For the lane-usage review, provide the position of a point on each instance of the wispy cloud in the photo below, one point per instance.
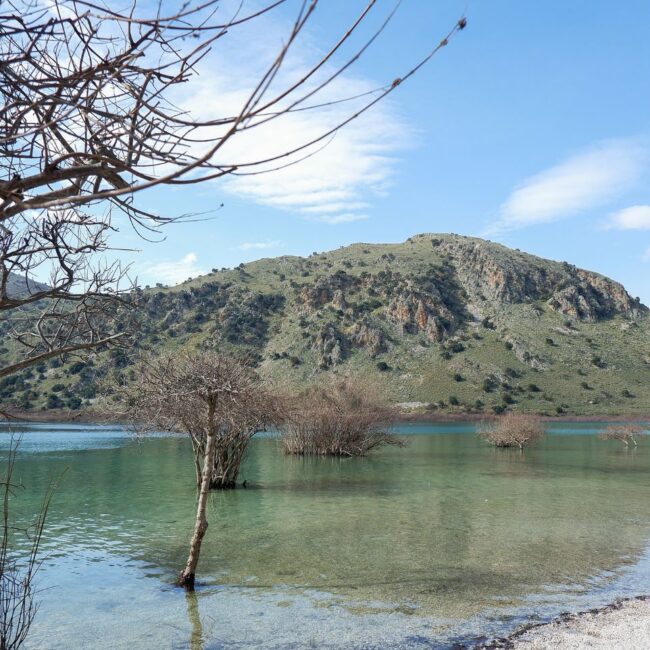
(173, 271)
(343, 217)
(636, 217)
(337, 177)
(335, 207)
(259, 245)
(582, 182)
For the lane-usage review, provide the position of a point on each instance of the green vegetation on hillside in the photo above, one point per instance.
(448, 323)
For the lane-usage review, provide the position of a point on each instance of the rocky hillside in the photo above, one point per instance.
(18, 285)
(447, 323)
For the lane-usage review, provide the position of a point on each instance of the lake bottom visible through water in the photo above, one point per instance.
(442, 542)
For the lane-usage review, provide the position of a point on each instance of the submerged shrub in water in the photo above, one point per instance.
(343, 418)
(625, 433)
(512, 430)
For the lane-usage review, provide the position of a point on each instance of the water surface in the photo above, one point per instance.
(438, 542)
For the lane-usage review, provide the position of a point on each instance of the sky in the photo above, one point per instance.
(531, 128)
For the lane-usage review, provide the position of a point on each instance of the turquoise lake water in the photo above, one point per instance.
(437, 543)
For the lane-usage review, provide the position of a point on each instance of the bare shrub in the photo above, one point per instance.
(628, 434)
(17, 604)
(342, 418)
(512, 430)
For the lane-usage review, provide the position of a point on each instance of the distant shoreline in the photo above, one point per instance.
(405, 417)
(477, 417)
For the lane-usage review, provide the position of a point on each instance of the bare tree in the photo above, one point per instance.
(218, 402)
(628, 434)
(17, 604)
(345, 417)
(512, 430)
(88, 120)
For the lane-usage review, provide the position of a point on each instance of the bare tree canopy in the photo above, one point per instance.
(90, 116)
(625, 433)
(201, 393)
(218, 402)
(512, 430)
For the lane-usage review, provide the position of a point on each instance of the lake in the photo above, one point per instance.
(437, 543)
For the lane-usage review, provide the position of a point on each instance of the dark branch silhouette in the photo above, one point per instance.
(89, 119)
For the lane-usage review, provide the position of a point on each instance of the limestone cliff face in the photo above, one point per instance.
(418, 313)
(493, 274)
(471, 280)
(330, 346)
(590, 297)
(368, 335)
(498, 279)
(331, 287)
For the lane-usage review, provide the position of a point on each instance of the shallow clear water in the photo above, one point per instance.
(435, 543)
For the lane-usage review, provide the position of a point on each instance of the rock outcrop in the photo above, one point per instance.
(330, 346)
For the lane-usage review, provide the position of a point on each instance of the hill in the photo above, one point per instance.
(18, 285)
(446, 322)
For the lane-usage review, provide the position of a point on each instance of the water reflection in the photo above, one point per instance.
(194, 616)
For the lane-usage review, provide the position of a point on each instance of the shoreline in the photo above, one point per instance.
(403, 417)
(601, 627)
(477, 417)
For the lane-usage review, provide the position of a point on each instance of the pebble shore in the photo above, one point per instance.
(624, 625)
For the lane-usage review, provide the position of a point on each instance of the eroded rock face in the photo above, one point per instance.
(593, 297)
(327, 289)
(368, 335)
(417, 312)
(489, 272)
(485, 275)
(338, 300)
(526, 356)
(330, 346)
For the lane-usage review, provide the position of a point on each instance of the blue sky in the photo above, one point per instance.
(532, 128)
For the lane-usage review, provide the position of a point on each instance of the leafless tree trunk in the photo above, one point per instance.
(218, 402)
(187, 576)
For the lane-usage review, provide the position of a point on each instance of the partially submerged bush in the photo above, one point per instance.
(202, 394)
(342, 418)
(512, 430)
(625, 433)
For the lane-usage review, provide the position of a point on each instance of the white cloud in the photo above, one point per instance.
(335, 207)
(636, 217)
(259, 245)
(335, 219)
(580, 183)
(338, 177)
(173, 272)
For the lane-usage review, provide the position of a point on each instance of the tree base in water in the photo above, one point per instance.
(223, 485)
(186, 580)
